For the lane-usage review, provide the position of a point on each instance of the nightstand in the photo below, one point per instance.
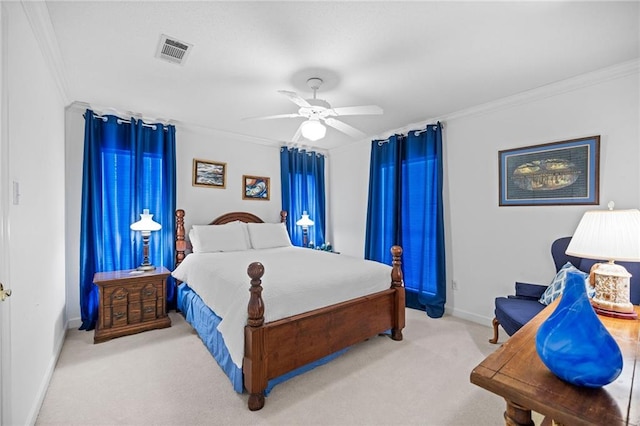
(130, 302)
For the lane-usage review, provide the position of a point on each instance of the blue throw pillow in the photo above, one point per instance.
(557, 285)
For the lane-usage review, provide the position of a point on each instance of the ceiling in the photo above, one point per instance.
(417, 60)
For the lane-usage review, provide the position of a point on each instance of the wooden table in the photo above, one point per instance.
(516, 372)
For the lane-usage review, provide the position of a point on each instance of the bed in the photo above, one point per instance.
(261, 335)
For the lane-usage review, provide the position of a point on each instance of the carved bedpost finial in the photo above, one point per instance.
(256, 304)
(181, 244)
(283, 216)
(396, 271)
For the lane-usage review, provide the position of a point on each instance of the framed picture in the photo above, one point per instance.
(209, 173)
(255, 188)
(557, 173)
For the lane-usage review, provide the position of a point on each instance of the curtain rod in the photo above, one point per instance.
(101, 110)
(122, 120)
(308, 149)
(415, 132)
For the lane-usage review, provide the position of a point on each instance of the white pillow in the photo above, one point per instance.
(245, 231)
(216, 238)
(195, 244)
(268, 235)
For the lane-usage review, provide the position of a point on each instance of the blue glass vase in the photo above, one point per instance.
(574, 344)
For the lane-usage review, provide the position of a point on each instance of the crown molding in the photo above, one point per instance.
(603, 75)
(553, 89)
(37, 14)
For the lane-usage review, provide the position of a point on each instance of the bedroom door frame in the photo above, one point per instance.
(5, 317)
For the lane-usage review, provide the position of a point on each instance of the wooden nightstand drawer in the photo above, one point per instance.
(150, 309)
(150, 291)
(130, 302)
(116, 315)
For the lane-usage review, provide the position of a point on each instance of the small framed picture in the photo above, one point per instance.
(210, 174)
(255, 188)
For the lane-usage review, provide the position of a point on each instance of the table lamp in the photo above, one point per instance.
(305, 222)
(609, 235)
(145, 225)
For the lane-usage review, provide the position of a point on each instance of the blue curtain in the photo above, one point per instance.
(405, 208)
(128, 166)
(303, 189)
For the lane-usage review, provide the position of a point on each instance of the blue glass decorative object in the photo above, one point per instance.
(574, 344)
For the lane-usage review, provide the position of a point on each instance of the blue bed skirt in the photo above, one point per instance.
(205, 322)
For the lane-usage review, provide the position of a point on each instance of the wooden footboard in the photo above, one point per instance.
(278, 347)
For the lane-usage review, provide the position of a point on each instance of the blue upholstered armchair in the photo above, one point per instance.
(512, 312)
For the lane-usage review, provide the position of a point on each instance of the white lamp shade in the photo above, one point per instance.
(607, 235)
(146, 223)
(305, 221)
(313, 130)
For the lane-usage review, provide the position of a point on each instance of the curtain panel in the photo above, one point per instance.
(128, 166)
(405, 207)
(303, 189)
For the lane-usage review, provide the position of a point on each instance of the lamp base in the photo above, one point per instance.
(611, 282)
(614, 314)
(146, 268)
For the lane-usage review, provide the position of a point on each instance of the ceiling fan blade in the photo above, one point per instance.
(344, 128)
(293, 97)
(359, 110)
(269, 117)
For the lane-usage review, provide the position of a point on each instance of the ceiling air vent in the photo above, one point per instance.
(172, 50)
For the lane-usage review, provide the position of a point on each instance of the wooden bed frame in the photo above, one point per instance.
(275, 348)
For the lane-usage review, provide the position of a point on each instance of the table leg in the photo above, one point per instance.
(517, 415)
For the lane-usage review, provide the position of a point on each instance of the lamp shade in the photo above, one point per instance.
(146, 223)
(607, 235)
(304, 221)
(313, 129)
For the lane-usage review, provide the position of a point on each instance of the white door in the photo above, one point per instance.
(5, 379)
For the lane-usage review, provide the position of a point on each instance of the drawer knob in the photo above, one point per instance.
(149, 309)
(148, 292)
(119, 315)
(119, 296)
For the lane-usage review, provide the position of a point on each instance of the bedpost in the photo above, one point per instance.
(283, 216)
(398, 285)
(181, 244)
(255, 375)
(256, 304)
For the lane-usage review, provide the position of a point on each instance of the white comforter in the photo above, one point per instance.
(295, 280)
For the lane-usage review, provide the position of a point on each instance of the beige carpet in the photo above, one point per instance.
(167, 377)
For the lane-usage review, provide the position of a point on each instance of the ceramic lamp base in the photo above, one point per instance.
(612, 284)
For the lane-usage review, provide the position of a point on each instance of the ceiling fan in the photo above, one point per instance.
(318, 111)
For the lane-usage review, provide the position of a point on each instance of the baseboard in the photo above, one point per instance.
(478, 319)
(74, 323)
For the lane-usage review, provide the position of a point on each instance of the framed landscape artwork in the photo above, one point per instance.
(210, 174)
(557, 173)
(255, 188)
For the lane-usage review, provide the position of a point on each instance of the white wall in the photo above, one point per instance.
(490, 247)
(74, 151)
(37, 226)
(348, 194)
(201, 204)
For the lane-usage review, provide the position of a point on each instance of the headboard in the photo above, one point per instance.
(182, 245)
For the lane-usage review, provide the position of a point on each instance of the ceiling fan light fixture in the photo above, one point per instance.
(313, 130)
